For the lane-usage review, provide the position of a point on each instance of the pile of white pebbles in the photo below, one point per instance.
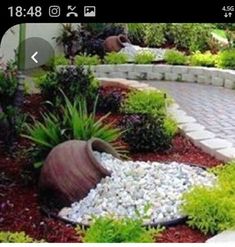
(131, 50)
(152, 189)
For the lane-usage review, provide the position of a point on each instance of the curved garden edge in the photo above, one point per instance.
(206, 140)
(203, 75)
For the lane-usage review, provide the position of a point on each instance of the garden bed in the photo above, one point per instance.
(20, 207)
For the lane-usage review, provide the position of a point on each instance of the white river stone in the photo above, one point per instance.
(153, 189)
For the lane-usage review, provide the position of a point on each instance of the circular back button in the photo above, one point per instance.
(38, 52)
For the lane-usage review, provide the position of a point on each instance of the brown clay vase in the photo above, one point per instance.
(71, 170)
(115, 43)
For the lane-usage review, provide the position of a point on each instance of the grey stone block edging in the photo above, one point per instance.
(221, 149)
(206, 140)
(223, 237)
(202, 75)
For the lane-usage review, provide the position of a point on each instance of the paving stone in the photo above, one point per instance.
(225, 236)
(169, 76)
(143, 68)
(226, 154)
(162, 68)
(230, 74)
(212, 107)
(217, 81)
(174, 107)
(105, 68)
(142, 85)
(154, 76)
(192, 127)
(216, 143)
(117, 75)
(214, 72)
(133, 75)
(200, 135)
(124, 67)
(228, 83)
(188, 78)
(177, 113)
(185, 119)
(180, 69)
(196, 70)
(204, 79)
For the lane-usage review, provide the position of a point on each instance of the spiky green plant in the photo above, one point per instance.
(73, 121)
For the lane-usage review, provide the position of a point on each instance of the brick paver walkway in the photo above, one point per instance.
(213, 107)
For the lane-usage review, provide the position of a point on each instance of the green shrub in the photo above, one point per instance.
(109, 230)
(226, 176)
(8, 87)
(16, 237)
(155, 34)
(94, 28)
(73, 81)
(136, 33)
(212, 210)
(48, 84)
(69, 36)
(170, 127)
(226, 59)
(192, 36)
(94, 34)
(146, 133)
(144, 102)
(58, 60)
(72, 122)
(207, 59)
(201, 35)
(110, 99)
(147, 126)
(175, 57)
(115, 58)
(87, 60)
(11, 100)
(180, 34)
(144, 57)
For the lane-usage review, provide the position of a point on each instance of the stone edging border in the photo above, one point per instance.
(206, 140)
(202, 75)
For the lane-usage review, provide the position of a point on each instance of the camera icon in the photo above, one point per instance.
(54, 11)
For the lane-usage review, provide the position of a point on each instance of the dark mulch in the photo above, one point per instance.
(182, 234)
(33, 105)
(19, 198)
(182, 150)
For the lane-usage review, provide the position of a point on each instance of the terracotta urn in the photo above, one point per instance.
(71, 170)
(115, 43)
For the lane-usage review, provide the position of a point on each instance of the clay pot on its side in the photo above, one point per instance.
(115, 43)
(71, 170)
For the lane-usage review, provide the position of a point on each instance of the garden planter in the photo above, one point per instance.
(71, 169)
(115, 43)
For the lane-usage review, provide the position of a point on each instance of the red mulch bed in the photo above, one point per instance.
(182, 234)
(182, 150)
(19, 198)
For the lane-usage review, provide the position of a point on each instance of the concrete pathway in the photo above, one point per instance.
(213, 107)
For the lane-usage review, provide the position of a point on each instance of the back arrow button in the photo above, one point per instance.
(33, 57)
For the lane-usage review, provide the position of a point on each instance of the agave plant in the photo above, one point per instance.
(72, 122)
(83, 125)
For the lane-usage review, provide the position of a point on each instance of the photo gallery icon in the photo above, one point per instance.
(89, 11)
